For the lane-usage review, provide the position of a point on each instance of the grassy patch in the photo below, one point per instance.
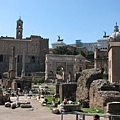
(49, 98)
(92, 110)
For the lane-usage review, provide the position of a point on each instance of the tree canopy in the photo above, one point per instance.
(66, 50)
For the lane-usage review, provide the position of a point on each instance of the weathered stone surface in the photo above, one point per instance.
(113, 108)
(68, 90)
(68, 107)
(84, 82)
(101, 92)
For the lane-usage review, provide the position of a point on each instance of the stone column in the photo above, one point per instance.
(65, 74)
(16, 73)
(23, 65)
(46, 70)
(13, 59)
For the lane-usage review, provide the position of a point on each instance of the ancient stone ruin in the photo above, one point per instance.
(84, 82)
(95, 91)
(102, 92)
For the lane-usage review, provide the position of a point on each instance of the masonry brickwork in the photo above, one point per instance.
(35, 48)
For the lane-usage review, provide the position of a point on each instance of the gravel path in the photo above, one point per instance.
(38, 112)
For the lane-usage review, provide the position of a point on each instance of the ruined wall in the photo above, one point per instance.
(68, 90)
(84, 82)
(101, 92)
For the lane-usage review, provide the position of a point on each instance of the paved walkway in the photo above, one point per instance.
(38, 112)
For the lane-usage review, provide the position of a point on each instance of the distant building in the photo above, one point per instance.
(59, 43)
(89, 64)
(79, 63)
(114, 56)
(101, 59)
(90, 46)
(103, 42)
(79, 43)
(34, 48)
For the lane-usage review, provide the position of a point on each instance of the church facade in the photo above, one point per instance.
(34, 49)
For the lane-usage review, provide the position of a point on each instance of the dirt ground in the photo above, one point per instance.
(37, 112)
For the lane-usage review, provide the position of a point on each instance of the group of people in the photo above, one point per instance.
(95, 117)
(53, 100)
(26, 94)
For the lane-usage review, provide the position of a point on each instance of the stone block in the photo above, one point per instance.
(7, 104)
(113, 108)
(13, 105)
(26, 106)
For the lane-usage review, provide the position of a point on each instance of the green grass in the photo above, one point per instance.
(92, 110)
(49, 98)
(86, 110)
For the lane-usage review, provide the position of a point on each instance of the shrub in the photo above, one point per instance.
(38, 80)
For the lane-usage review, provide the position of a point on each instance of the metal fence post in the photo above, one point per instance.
(76, 116)
(83, 117)
(61, 116)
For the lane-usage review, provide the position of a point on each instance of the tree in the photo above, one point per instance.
(65, 50)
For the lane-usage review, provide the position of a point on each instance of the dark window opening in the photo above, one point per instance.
(1, 58)
(18, 59)
(33, 59)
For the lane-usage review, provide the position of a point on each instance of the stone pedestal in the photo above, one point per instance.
(113, 108)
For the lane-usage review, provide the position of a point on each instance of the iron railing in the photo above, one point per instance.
(82, 116)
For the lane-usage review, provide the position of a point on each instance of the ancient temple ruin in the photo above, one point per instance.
(94, 90)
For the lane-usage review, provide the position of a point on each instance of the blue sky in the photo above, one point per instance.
(71, 19)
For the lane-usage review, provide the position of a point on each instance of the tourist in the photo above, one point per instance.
(53, 101)
(17, 98)
(96, 117)
(30, 94)
(65, 100)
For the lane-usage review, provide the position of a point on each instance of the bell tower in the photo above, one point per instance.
(19, 29)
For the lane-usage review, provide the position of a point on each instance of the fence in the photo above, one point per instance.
(82, 116)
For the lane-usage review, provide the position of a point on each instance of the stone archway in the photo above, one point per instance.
(66, 62)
